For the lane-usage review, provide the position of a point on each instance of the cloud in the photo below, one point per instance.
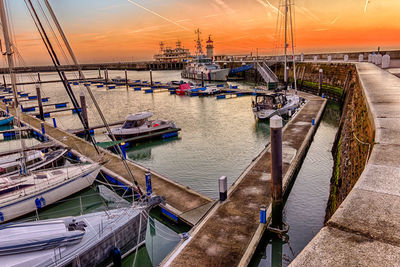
(224, 6)
(308, 13)
(366, 5)
(268, 5)
(334, 20)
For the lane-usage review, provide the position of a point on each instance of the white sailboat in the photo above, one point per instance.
(281, 103)
(25, 193)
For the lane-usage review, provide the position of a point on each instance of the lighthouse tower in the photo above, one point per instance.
(210, 47)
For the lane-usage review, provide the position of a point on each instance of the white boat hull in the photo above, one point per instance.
(266, 114)
(217, 75)
(47, 193)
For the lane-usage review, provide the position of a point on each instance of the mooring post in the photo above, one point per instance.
(106, 75)
(99, 74)
(40, 104)
(276, 170)
(43, 130)
(8, 111)
(263, 214)
(38, 75)
(84, 113)
(54, 122)
(123, 149)
(223, 188)
(126, 79)
(320, 82)
(202, 79)
(149, 188)
(151, 77)
(4, 82)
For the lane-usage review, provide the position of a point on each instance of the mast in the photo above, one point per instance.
(294, 61)
(72, 54)
(285, 70)
(13, 78)
(199, 49)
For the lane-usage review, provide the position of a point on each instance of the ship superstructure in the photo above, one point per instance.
(177, 54)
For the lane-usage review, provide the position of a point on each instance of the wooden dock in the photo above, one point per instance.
(182, 203)
(231, 231)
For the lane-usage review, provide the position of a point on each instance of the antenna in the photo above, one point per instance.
(199, 48)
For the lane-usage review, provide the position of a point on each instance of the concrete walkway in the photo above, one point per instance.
(231, 231)
(365, 230)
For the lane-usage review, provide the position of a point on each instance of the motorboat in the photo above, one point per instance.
(5, 118)
(20, 195)
(209, 90)
(86, 240)
(34, 160)
(278, 103)
(139, 125)
(203, 68)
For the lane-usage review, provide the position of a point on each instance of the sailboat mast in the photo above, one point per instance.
(12, 74)
(285, 70)
(294, 61)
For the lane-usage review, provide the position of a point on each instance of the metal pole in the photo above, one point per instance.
(40, 104)
(276, 170)
(126, 79)
(320, 82)
(202, 79)
(285, 74)
(10, 60)
(38, 75)
(4, 81)
(294, 61)
(151, 77)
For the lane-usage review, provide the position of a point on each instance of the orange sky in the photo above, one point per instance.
(120, 30)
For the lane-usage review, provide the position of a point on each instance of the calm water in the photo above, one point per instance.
(218, 137)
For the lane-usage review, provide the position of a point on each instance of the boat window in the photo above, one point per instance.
(41, 176)
(57, 172)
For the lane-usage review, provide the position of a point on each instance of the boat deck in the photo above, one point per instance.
(230, 232)
(180, 199)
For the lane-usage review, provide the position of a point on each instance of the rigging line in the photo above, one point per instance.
(71, 52)
(53, 33)
(294, 61)
(62, 75)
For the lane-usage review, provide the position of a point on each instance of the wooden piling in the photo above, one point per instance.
(276, 170)
(38, 75)
(4, 82)
(202, 79)
(126, 80)
(40, 104)
(84, 113)
(151, 77)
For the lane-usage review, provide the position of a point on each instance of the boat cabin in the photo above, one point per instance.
(270, 101)
(136, 120)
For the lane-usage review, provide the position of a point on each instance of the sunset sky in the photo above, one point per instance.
(121, 30)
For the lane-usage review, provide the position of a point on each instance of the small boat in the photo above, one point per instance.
(183, 88)
(209, 90)
(34, 160)
(139, 125)
(20, 195)
(92, 238)
(5, 118)
(267, 105)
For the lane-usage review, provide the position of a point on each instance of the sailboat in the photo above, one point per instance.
(279, 102)
(23, 193)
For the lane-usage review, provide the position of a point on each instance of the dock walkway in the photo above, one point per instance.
(230, 232)
(180, 199)
(365, 229)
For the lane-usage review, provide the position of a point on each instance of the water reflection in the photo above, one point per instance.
(142, 151)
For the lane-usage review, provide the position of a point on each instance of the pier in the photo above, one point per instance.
(230, 232)
(364, 230)
(183, 204)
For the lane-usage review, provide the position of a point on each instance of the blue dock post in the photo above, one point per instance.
(8, 111)
(149, 189)
(54, 122)
(313, 121)
(223, 188)
(123, 149)
(43, 130)
(263, 214)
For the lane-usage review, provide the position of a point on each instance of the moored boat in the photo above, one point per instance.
(267, 105)
(20, 195)
(139, 125)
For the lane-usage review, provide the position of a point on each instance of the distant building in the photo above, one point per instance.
(178, 54)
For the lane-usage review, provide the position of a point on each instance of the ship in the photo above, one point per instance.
(177, 54)
(202, 66)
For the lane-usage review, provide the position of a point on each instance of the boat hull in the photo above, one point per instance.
(48, 195)
(266, 114)
(119, 135)
(6, 121)
(218, 75)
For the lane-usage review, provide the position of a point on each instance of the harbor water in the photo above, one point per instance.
(218, 137)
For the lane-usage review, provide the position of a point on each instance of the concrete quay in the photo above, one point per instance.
(365, 229)
(231, 231)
